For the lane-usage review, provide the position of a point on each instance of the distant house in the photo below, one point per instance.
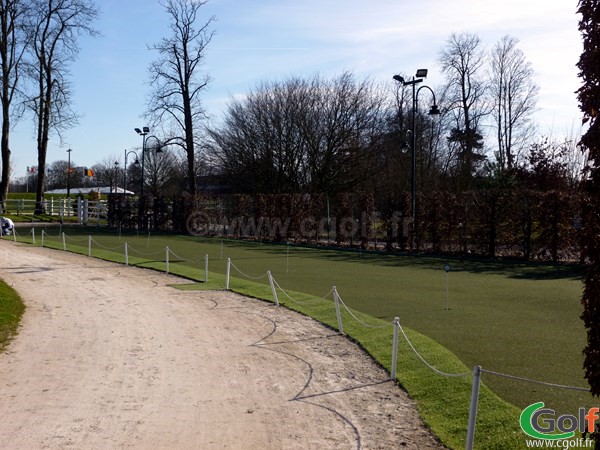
(84, 191)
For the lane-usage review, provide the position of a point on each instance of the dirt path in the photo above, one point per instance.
(111, 357)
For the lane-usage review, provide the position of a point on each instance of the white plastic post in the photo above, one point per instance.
(473, 409)
(206, 268)
(43, 237)
(64, 242)
(86, 212)
(167, 258)
(273, 290)
(227, 271)
(336, 299)
(33, 235)
(126, 255)
(79, 210)
(14, 233)
(89, 246)
(395, 348)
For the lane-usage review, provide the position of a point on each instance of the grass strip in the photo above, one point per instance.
(442, 402)
(11, 311)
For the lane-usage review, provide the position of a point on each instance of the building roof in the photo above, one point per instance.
(85, 191)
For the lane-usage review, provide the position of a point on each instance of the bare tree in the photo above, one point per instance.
(58, 172)
(160, 168)
(177, 78)
(462, 61)
(12, 47)
(55, 26)
(514, 94)
(302, 134)
(107, 172)
(346, 121)
(259, 144)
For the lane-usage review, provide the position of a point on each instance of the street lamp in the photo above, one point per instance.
(143, 132)
(434, 110)
(136, 162)
(116, 176)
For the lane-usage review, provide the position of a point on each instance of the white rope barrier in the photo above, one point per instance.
(425, 361)
(543, 383)
(192, 261)
(387, 325)
(301, 302)
(72, 239)
(110, 249)
(260, 277)
(159, 252)
(53, 235)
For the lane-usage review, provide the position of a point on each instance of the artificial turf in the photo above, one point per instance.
(514, 318)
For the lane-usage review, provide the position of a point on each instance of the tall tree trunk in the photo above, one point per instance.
(43, 133)
(189, 144)
(4, 145)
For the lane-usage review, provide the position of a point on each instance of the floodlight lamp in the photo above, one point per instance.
(399, 78)
(147, 130)
(421, 73)
(138, 131)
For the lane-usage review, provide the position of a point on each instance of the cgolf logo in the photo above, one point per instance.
(542, 423)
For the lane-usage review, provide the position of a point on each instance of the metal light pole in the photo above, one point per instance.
(418, 78)
(116, 177)
(137, 161)
(143, 132)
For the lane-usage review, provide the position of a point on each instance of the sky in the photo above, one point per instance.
(267, 40)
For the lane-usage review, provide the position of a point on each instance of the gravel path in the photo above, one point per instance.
(110, 356)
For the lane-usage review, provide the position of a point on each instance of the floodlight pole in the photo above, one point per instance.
(421, 74)
(143, 132)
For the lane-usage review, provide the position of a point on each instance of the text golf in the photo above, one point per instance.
(542, 423)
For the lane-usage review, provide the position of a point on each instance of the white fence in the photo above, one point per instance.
(86, 211)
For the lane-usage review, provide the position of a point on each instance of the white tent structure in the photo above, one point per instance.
(85, 191)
